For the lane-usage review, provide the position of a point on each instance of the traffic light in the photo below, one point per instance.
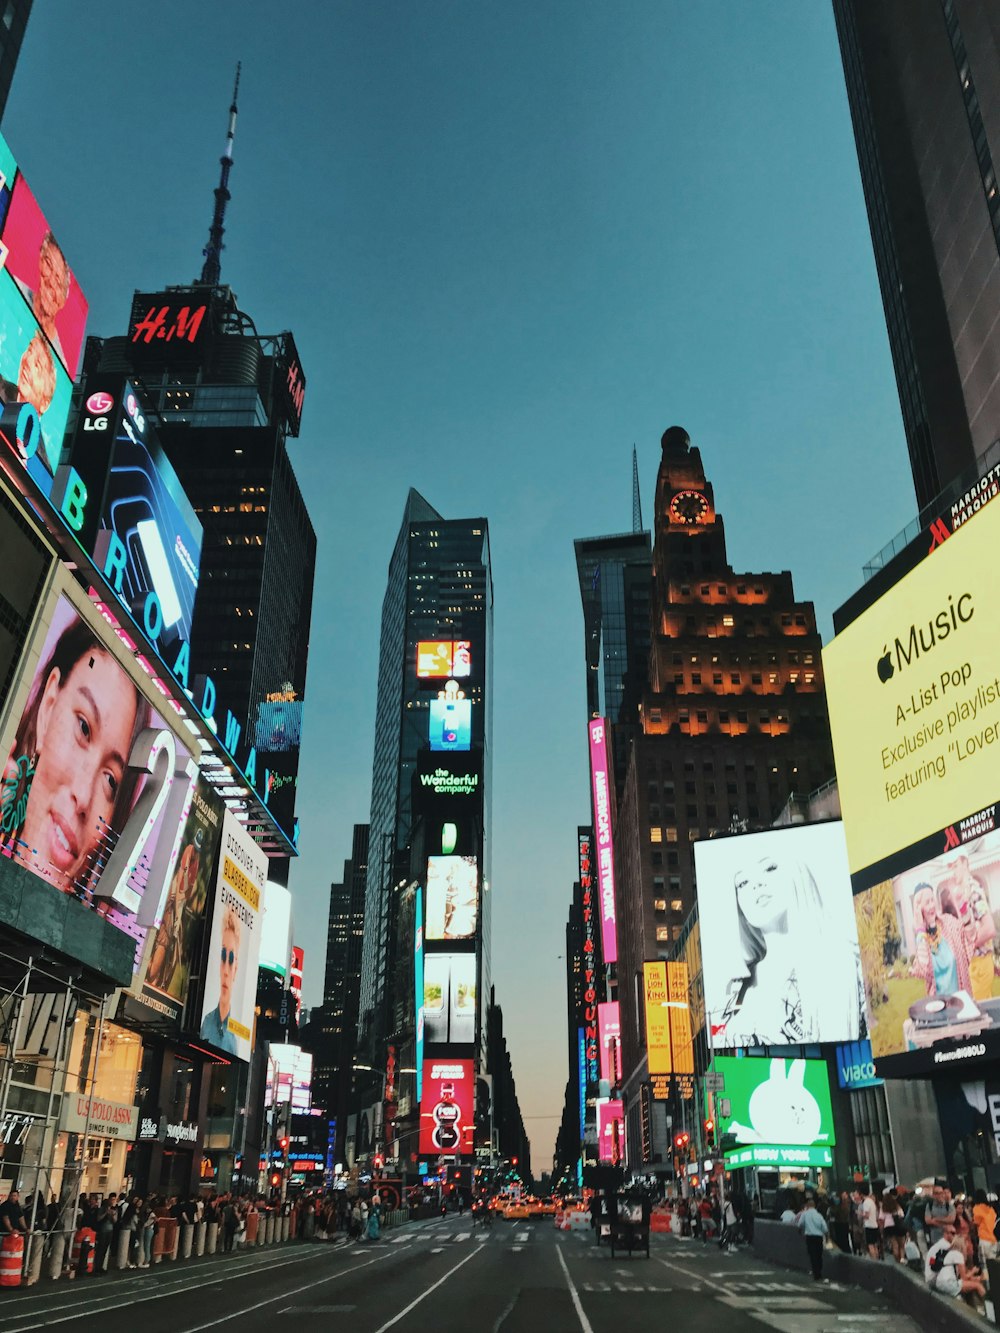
(682, 1140)
(275, 1179)
(709, 1127)
(283, 1145)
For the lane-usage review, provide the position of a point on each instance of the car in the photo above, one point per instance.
(516, 1212)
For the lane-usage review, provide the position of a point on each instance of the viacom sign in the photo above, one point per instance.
(856, 1066)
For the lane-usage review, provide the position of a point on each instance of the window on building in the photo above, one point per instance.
(676, 905)
(659, 904)
(663, 933)
(656, 835)
(671, 834)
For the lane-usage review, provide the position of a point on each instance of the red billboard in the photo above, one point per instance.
(447, 1107)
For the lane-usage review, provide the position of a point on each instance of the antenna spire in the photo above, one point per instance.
(212, 268)
(636, 502)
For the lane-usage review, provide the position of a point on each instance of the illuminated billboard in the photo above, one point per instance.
(30, 373)
(601, 785)
(234, 943)
(927, 938)
(276, 928)
(775, 1102)
(766, 902)
(681, 1045)
(450, 721)
(452, 775)
(447, 1108)
(95, 782)
(441, 659)
(654, 976)
(288, 1080)
(452, 898)
(418, 986)
(609, 1037)
(170, 949)
(913, 687)
(610, 1131)
(449, 998)
(279, 725)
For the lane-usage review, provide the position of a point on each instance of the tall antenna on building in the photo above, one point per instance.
(636, 502)
(212, 268)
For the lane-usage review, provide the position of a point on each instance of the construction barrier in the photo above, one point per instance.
(11, 1259)
(253, 1222)
(165, 1240)
(81, 1258)
(659, 1222)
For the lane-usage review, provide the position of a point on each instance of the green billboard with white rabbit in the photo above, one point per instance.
(777, 1103)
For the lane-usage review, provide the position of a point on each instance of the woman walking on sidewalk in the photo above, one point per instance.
(813, 1226)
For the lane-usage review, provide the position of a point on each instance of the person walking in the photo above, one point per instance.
(813, 1226)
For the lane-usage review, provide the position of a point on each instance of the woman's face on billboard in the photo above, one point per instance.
(764, 893)
(84, 730)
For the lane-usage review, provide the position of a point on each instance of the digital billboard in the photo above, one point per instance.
(279, 725)
(856, 1066)
(288, 1081)
(681, 1044)
(94, 781)
(418, 986)
(448, 775)
(450, 721)
(658, 1052)
(913, 687)
(171, 948)
(928, 937)
(774, 1102)
(601, 789)
(609, 1037)
(30, 373)
(610, 1131)
(452, 893)
(444, 658)
(766, 902)
(449, 998)
(276, 927)
(447, 1108)
(234, 943)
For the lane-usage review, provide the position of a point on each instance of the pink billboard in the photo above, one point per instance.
(602, 834)
(609, 1036)
(610, 1132)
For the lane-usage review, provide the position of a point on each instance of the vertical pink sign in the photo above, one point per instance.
(609, 1035)
(602, 836)
(610, 1132)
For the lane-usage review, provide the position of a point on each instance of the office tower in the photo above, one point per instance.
(13, 21)
(923, 83)
(430, 809)
(733, 720)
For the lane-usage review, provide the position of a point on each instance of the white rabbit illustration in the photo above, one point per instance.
(782, 1110)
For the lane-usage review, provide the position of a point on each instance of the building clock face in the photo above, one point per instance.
(689, 507)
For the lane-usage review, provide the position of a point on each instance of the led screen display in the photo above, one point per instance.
(234, 943)
(173, 946)
(444, 658)
(913, 686)
(279, 725)
(610, 1131)
(609, 1037)
(657, 1018)
(448, 776)
(766, 903)
(452, 892)
(601, 791)
(418, 985)
(856, 1066)
(928, 936)
(449, 998)
(94, 782)
(775, 1102)
(37, 265)
(447, 1107)
(288, 1081)
(276, 928)
(30, 373)
(450, 726)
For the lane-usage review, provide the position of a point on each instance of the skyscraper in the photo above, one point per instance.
(923, 83)
(433, 750)
(13, 21)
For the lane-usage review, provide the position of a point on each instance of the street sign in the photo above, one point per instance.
(715, 1082)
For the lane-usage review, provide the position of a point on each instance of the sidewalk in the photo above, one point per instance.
(781, 1244)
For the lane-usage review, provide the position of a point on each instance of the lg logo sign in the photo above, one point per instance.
(98, 406)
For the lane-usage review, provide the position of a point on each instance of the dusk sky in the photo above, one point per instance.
(511, 240)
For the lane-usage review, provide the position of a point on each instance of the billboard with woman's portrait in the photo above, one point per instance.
(89, 769)
(778, 938)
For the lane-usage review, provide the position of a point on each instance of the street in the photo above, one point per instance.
(515, 1276)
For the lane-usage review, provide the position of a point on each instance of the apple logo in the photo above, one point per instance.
(885, 668)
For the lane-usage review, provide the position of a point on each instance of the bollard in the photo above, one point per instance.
(122, 1247)
(187, 1239)
(56, 1255)
(293, 1223)
(211, 1237)
(253, 1227)
(269, 1230)
(199, 1238)
(33, 1262)
(284, 1227)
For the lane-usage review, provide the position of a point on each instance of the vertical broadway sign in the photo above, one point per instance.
(602, 829)
(588, 965)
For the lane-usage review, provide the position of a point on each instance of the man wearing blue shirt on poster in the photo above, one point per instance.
(215, 1025)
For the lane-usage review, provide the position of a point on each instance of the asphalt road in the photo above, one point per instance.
(518, 1277)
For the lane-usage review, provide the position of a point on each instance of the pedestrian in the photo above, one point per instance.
(892, 1224)
(813, 1226)
(945, 1269)
(984, 1217)
(12, 1214)
(940, 1212)
(869, 1220)
(842, 1222)
(149, 1224)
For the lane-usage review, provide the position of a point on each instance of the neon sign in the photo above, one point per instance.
(605, 846)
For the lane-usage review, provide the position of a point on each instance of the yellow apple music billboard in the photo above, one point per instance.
(913, 686)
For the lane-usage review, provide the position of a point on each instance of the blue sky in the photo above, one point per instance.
(511, 240)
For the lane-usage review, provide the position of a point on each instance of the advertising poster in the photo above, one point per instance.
(913, 685)
(610, 1131)
(234, 943)
(30, 373)
(448, 776)
(452, 898)
(76, 772)
(173, 946)
(418, 987)
(450, 725)
(38, 266)
(601, 791)
(609, 1038)
(766, 902)
(775, 1102)
(928, 938)
(657, 1018)
(447, 1109)
(288, 1081)
(442, 659)
(276, 929)
(449, 998)
(279, 725)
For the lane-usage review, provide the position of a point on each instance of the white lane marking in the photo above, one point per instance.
(482, 1237)
(438, 1249)
(462, 1235)
(584, 1321)
(521, 1235)
(413, 1304)
(692, 1277)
